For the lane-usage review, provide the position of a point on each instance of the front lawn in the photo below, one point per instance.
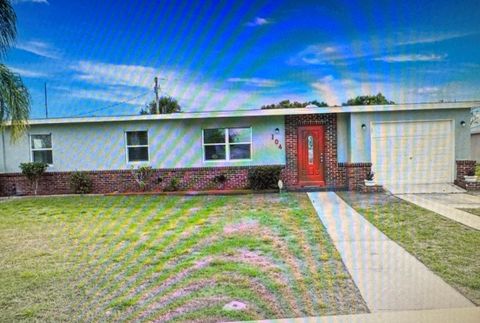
(448, 248)
(168, 258)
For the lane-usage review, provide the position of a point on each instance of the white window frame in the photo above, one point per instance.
(227, 144)
(137, 146)
(30, 137)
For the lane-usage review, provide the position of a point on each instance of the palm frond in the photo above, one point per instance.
(14, 102)
(8, 29)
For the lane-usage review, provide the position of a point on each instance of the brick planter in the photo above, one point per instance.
(463, 168)
(371, 189)
(194, 179)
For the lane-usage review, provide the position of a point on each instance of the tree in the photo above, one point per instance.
(286, 104)
(165, 103)
(368, 100)
(14, 97)
(33, 171)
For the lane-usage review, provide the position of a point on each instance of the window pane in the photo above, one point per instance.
(136, 138)
(137, 154)
(240, 151)
(43, 156)
(214, 136)
(239, 134)
(216, 152)
(310, 150)
(41, 141)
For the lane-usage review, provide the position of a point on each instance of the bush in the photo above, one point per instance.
(142, 175)
(80, 183)
(33, 172)
(173, 185)
(265, 177)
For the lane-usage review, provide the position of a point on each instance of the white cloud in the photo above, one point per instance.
(428, 90)
(118, 82)
(254, 81)
(28, 73)
(335, 91)
(39, 48)
(411, 58)
(258, 21)
(329, 54)
(33, 1)
(425, 38)
(119, 74)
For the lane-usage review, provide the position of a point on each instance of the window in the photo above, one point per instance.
(137, 146)
(227, 144)
(41, 148)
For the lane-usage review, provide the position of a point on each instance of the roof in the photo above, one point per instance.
(262, 113)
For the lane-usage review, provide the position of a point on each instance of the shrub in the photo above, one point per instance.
(265, 177)
(141, 175)
(33, 172)
(80, 183)
(173, 185)
(370, 176)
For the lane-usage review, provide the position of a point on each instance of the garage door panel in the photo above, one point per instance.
(413, 152)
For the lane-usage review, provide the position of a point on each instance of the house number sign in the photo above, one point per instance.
(276, 141)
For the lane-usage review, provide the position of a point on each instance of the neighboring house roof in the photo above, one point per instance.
(265, 112)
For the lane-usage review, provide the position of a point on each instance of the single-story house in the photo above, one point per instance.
(475, 143)
(329, 148)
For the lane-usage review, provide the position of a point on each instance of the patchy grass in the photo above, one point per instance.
(168, 258)
(448, 248)
(472, 211)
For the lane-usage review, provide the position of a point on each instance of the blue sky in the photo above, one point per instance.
(100, 57)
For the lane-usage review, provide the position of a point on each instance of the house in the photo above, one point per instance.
(329, 148)
(475, 143)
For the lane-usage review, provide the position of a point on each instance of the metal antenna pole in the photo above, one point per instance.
(46, 101)
(157, 103)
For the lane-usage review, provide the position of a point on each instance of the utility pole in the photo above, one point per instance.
(46, 101)
(157, 103)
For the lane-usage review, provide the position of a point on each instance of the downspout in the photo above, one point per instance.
(4, 154)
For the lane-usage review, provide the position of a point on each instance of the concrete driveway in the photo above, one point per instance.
(448, 205)
(403, 188)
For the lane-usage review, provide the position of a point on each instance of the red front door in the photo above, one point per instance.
(311, 158)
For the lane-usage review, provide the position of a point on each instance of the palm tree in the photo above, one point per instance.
(14, 97)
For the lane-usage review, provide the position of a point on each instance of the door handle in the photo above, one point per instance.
(321, 158)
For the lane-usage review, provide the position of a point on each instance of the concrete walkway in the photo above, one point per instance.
(454, 315)
(446, 207)
(388, 277)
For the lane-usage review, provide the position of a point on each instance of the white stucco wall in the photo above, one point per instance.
(343, 133)
(172, 144)
(475, 146)
(359, 144)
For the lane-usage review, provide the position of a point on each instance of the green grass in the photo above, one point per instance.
(168, 258)
(448, 248)
(472, 211)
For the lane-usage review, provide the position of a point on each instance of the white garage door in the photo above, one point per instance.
(417, 152)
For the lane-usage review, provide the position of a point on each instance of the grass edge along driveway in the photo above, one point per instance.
(448, 248)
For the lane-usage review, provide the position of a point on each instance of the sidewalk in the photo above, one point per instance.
(388, 277)
(454, 315)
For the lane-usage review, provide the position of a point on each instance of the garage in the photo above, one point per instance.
(413, 152)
